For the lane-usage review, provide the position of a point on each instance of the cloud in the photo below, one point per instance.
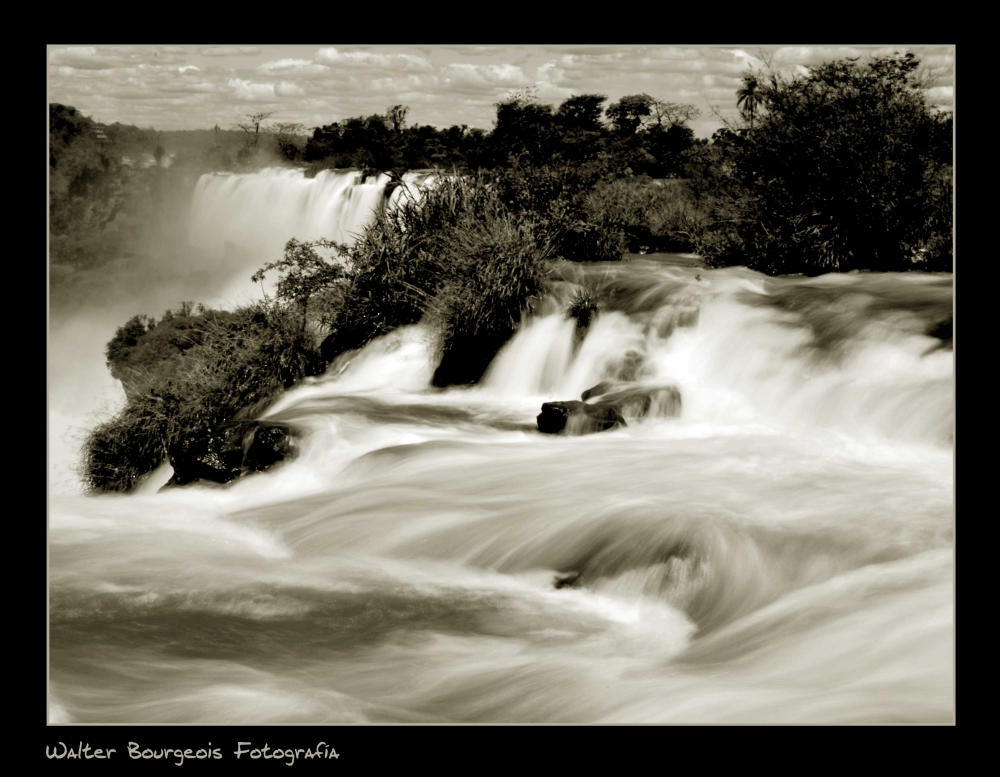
(941, 95)
(508, 76)
(367, 59)
(476, 51)
(288, 89)
(230, 51)
(108, 57)
(583, 50)
(247, 91)
(293, 66)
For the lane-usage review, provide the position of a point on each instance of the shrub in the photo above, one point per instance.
(394, 267)
(583, 306)
(242, 359)
(456, 254)
(649, 215)
(554, 200)
(495, 270)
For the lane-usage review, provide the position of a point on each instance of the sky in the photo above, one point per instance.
(172, 87)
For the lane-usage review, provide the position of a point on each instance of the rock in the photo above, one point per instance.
(601, 388)
(578, 418)
(225, 452)
(637, 401)
(628, 368)
(267, 446)
(210, 455)
(567, 580)
(943, 331)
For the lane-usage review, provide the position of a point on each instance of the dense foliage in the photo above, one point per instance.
(843, 168)
(640, 134)
(84, 184)
(187, 373)
(455, 256)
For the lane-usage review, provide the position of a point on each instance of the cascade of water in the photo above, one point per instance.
(739, 360)
(227, 208)
(780, 551)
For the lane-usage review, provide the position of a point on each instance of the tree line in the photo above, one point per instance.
(638, 133)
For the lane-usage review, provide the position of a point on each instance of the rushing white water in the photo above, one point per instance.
(255, 214)
(780, 552)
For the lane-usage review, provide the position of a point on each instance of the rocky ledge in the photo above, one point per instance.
(612, 403)
(228, 451)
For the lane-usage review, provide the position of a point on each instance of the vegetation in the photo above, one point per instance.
(187, 373)
(457, 256)
(583, 306)
(839, 169)
(84, 184)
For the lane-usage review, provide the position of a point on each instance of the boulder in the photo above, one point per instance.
(943, 331)
(566, 580)
(223, 453)
(603, 387)
(578, 418)
(637, 401)
(209, 455)
(266, 446)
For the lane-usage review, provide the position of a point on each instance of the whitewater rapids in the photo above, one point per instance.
(781, 552)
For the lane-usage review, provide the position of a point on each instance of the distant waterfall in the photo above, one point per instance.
(257, 213)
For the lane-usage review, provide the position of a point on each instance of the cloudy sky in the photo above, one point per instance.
(191, 87)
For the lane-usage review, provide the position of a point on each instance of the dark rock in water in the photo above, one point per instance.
(567, 580)
(578, 418)
(614, 401)
(943, 331)
(637, 401)
(680, 318)
(268, 444)
(223, 453)
(466, 356)
(209, 455)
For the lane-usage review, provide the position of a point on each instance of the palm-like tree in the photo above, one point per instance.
(748, 98)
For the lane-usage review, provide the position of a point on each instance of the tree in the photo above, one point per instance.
(85, 173)
(578, 121)
(304, 273)
(669, 114)
(126, 337)
(748, 96)
(627, 114)
(581, 112)
(847, 168)
(523, 127)
(667, 144)
(396, 117)
(286, 136)
(250, 124)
